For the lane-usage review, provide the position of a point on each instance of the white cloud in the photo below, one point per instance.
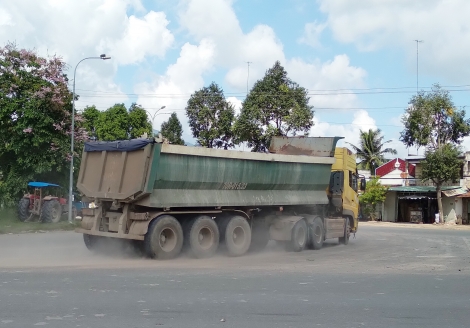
(312, 33)
(373, 24)
(5, 18)
(177, 84)
(236, 103)
(350, 132)
(324, 78)
(142, 37)
(78, 29)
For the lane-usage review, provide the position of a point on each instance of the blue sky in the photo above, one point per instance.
(356, 58)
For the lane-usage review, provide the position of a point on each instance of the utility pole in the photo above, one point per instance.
(417, 57)
(248, 76)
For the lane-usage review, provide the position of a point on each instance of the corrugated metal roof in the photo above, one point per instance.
(420, 188)
(455, 192)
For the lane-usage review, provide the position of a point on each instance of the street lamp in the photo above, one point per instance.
(155, 114)
(102, 57)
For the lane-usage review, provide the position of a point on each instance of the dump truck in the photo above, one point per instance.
(164, 197)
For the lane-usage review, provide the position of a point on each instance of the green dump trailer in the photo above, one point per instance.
(165, 196)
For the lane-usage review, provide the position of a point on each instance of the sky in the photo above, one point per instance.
(359, 59)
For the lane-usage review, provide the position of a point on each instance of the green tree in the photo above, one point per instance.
(113, 124)
(35, 121)
(374, 194)
(172, 130)
(211, 117)
(90, 119)
(370, 151)
(139, 122)
(441, 165)
(432, 121)
(275, 106)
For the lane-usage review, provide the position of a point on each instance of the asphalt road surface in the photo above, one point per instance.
(386, 277)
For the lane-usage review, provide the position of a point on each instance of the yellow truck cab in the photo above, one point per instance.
(343, 189)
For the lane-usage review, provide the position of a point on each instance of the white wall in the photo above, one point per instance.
(449, 203)
(389, 207)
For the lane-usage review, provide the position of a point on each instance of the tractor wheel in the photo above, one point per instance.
(23, 209)
(51, 211)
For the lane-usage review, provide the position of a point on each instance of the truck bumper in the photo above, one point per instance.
(110, 234)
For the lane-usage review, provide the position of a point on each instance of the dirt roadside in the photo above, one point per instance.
(414, 225)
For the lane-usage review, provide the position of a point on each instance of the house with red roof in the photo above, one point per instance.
(396, 172)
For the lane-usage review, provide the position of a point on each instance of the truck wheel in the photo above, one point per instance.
(237, 236)
(347, 232)
(259, 235)
(23, 209)
(299, 237)
(51, 211)
(164, 238)
(91, 242)
(317, 234)
(202, 236)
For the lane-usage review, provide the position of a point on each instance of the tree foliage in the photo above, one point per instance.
(211, 117)
(172, 130)
(139, 123)
(374, 194)
(113, 124)
(432, 120)
(275, 106)
(371, 150)
(441, 165)
(117, 123)
(90, 120)
(35, 121)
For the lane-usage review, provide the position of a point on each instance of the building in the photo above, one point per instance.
(409, 199)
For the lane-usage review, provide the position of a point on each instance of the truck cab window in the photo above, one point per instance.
(353, 181)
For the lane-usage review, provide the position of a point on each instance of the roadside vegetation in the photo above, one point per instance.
(9, 224)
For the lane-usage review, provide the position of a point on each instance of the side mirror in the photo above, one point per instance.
(363, 184)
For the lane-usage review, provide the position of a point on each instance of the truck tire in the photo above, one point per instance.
(23, 209)
(259, 235)
(237, 236)
(299, 237)
(51, 211)
(316, 234)
(347, 232)
(91, 242)
(202, 236)
(164, 238)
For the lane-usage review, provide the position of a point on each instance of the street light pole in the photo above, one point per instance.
(72, 134)
(155, 114)
(417, 43)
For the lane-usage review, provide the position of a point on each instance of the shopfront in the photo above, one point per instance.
(418, 204)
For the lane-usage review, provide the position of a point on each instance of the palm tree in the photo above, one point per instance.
(370, 150)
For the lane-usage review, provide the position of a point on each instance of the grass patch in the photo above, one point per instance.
(9, 223)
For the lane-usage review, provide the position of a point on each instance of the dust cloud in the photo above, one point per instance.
(52, 250)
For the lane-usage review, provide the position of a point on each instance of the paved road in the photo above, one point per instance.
(386, 277)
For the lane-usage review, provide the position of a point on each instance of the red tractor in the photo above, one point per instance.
(46, 207)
